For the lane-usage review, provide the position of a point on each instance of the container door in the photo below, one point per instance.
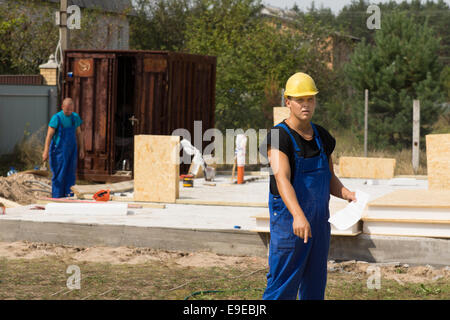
(151, 89)
(90, 82)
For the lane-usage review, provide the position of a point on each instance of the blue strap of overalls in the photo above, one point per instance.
(297, 149)
(60, 124)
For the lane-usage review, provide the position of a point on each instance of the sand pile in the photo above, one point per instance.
(24, 188)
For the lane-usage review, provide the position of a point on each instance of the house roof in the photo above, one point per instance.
(278, 13)
(115, 6)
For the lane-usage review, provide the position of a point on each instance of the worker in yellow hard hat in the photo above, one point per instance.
(301, 182)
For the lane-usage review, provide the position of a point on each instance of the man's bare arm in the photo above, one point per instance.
(50, 133)
(337, 189)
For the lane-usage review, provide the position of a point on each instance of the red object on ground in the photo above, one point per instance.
(2, 209)
(102, 195)
(240, 174)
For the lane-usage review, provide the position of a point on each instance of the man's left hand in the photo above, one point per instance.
(348, 195)
(81, 154)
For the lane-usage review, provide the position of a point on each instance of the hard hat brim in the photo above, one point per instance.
(310, 93)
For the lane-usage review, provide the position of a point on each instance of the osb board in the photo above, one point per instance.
(93, 188)
(280, 113)
(370, 168)
(414, 198)
(438, 161)
(156, 168)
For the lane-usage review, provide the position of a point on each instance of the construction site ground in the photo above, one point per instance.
(221, 222)
(39, 271)
(180, 250)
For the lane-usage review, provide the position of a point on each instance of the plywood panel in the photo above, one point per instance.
(370, 168)
(280, 113)
(414, 199)
(438, 161)
(156, 171)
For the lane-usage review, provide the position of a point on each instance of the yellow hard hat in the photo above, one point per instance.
(300, 84)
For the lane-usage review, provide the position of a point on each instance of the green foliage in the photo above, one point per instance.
(401, 66)
(25, 35)
(352, 18)
(159, 25)
(254, 58)
(28, 34)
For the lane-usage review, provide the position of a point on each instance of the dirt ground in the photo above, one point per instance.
(402, 273)
(123, 255)
(39, 271)
(18, 188)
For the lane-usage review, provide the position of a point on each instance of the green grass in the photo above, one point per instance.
(46, 279)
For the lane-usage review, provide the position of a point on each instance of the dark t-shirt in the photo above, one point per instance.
(308, 149)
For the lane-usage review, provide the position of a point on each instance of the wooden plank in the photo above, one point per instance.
(424, 221)
(63, 200)
(438, 161)
(222, 203)
(8, 203)
(156, 168)
(345, 234)
(143, 204)
(78, 190)
(414, 199)
(370, 168)
(280, 113)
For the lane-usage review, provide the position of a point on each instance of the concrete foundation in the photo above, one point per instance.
(214, 228)
(411, 250)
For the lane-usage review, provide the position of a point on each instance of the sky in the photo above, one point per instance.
(334, 5)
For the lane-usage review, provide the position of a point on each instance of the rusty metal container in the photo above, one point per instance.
(119, 94)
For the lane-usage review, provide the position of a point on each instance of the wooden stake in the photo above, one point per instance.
(416, 136)
(366, 112)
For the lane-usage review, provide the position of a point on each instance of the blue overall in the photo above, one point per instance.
(296, 268)
(63, 160)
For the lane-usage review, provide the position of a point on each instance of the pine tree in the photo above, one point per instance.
(401, 65)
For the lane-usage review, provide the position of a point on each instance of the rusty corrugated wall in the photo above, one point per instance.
(170, 91)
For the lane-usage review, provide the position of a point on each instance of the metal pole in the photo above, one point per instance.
(282, 97)
(366, 112)
(416, 136)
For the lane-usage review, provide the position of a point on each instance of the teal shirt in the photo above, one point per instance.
(66, 123)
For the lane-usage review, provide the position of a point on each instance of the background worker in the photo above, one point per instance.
(62, 143)
(300, 186)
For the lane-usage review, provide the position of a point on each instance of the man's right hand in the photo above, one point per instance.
(302, 228)
(44, 156)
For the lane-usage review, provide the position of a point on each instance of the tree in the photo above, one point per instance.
(254, 58)
(401, 65)
(28, 34)
(160, 25)
(352, 19)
